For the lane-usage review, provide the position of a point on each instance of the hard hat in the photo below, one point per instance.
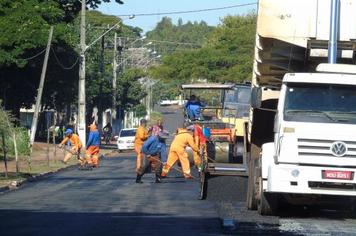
(68, 131)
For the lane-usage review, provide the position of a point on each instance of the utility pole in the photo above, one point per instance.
(81, 94)
(114, 87)
(40, 90)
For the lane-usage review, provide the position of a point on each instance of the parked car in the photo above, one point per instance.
(126, 139)
(167, 102)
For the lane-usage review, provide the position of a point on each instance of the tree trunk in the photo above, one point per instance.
(16, 153)
(4, 150)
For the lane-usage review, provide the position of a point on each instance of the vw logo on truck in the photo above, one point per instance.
(338, 149)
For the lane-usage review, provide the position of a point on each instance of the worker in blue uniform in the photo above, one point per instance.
(155, 151)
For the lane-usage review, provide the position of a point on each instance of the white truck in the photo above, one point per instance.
(303, 119)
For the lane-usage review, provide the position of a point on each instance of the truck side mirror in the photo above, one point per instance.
(256, 97)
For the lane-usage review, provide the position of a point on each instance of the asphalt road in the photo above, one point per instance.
(106, 201)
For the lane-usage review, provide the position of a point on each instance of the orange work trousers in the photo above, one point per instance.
(173, 157)
(92, 155)
(139, 158)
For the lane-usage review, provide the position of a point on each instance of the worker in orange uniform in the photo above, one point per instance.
(75, 143)
(177, 151)
(200, 141)
(140, 138)
(93, 143)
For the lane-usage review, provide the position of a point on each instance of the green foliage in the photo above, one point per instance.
(140, 110)
(226, 56)
(24, 25)
(22, 142)
(190, 32)
(130, 90)
(6, 126)
(8, 130)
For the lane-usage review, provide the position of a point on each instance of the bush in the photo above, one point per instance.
(22, 141)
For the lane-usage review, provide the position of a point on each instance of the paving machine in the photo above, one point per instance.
(216, 132)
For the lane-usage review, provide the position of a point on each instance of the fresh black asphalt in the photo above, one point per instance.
(107, 201)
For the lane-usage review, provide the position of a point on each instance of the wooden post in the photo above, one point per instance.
(40, 90)
(4, 151)
(48, 133)
(16, 153)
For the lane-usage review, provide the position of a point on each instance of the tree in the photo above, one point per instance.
(25, 26)
(130, 90)
(6, 130)
(226, 56)
(187, 33)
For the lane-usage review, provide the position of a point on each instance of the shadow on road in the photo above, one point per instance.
(339, 212)
(23, 222)
(20, 222)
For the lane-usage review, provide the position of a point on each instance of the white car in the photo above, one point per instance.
(126, 139)
(168, 102)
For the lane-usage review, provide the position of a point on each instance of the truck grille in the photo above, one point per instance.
(318, 147)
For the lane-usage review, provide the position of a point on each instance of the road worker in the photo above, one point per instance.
(76, 146)
(93, 143)
(155, 151)
(200, 141)
(140, 137)
(158, 127)
(193, 108)
(177, 151)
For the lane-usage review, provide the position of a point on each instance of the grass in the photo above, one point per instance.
(36, 168)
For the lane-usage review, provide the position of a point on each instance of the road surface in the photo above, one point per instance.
(106, 201)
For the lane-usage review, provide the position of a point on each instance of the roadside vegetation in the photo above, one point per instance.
(225, 55)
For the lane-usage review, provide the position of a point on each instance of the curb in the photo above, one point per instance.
(34, 178)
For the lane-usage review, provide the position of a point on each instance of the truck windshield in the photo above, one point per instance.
(128, 133)
(320, 103)
(237, 102)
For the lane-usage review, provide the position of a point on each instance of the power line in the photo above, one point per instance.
(33, 57)
(161, 41)
(61, 65)
(190, 11)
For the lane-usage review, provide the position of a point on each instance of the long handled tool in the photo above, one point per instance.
(173, 167)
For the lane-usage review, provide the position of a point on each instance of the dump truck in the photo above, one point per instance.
(302, 142)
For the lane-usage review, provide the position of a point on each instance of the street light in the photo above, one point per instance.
(83, 48)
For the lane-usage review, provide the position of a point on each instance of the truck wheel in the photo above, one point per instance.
(239, 148)
(251, 193)
(267, 204)
(203, 185)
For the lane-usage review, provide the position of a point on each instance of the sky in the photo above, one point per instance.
(148, 23)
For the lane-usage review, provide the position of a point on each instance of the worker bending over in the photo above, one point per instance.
(76, 146)
(155, 151)
(93, 146)
(177, 151)
(140, 137)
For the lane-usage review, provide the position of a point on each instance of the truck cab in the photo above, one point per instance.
(314, 148)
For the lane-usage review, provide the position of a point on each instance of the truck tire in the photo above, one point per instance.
(251, 187)
(203, 188)
(268, 203)
(239, 148)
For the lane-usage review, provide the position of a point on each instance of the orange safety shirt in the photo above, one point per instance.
(183, 139)
(74, 140)
(141, 135)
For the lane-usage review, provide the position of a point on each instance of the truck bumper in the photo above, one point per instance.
(296, 179)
